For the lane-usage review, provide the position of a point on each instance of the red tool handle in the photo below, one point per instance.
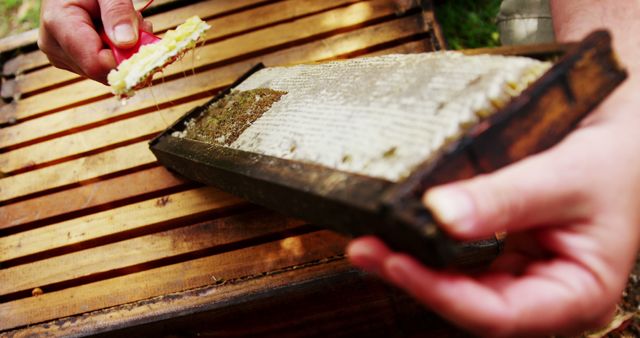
(121, 54)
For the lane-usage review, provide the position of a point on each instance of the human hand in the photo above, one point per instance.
(573, 216)
(68, 33)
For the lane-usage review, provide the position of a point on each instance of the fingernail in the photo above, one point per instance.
(123, 33)
(452, 207)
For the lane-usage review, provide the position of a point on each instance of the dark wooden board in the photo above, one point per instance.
(290, 302)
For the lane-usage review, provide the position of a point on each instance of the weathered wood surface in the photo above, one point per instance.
(299, 301)
(169, 208)
(140, 250)
(153, 282)
(24, 62)
(18, 40)
(89, 218)
(108, 135)
(88, 198)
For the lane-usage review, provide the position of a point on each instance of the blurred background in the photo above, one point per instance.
(469, 23)
(18, 16)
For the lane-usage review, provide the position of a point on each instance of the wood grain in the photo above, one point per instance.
(96, 138)
(165, 209)
(196, 273)
(110, 108)
(75, 171)
(132, 252)
(407, 48)
(96, 196)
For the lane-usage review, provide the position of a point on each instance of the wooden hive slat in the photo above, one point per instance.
(96, 196)
(272, 311)
(160, 306)
(19, 40)
(204, 9)
(196, 273)
(171, 208)
(139, 4)
(75, 171)
(128, 253)
(407, 48)
(92, 139)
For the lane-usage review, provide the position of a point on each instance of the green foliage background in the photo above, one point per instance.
(18, 16)
(469, 23)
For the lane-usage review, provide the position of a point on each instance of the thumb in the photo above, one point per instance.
(540, 190)
(120, 22)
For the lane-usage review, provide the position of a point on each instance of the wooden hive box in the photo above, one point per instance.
(97, 237)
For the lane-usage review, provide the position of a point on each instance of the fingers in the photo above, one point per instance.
(554, 296)
(532, 192)
(428, 287)
(454, 297)
(367, 253)
(69, 39)
(120, 21)
(54, 52)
